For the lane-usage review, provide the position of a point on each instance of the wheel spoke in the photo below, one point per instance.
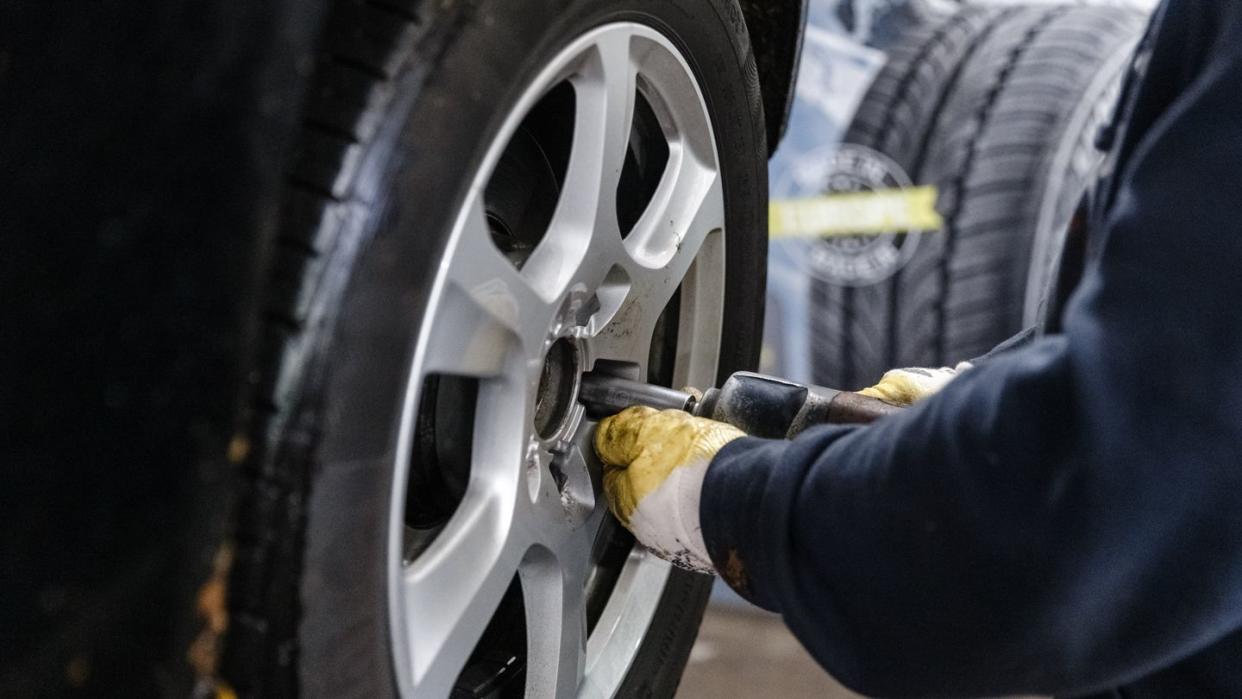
(486, 306)
(687, 204)
(583, 240)
(553, 587)
(672, 235)
(696, 221)
(554, 575)
(454, 588)
(606, 107)
(702, 296)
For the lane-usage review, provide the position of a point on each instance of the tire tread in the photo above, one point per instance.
(351, 90)
(975, 104)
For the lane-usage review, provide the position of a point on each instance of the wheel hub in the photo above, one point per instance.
(557, 395)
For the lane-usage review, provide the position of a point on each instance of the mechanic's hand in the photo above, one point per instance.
(654, 464)
(904, 387)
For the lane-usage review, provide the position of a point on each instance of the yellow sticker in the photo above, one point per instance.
(855, 213)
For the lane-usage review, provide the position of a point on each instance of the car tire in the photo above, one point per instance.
(404, 104)
(997, 108)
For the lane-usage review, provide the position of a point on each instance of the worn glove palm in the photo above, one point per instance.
(654, 464)
(904, 387)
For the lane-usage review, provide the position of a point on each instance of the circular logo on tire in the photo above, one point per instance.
(827, 178)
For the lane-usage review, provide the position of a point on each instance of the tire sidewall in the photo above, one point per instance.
(440, 126)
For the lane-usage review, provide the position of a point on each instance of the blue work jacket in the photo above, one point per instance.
(1066, 518)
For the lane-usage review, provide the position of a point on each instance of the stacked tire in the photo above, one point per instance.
(996, 107)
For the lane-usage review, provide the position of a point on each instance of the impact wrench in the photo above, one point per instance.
(760, 406)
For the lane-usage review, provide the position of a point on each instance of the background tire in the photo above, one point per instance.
(404, 101)
(997, 108)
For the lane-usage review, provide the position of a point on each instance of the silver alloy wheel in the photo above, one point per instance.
(600, 294)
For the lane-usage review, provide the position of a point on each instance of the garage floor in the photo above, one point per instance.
(744, 652)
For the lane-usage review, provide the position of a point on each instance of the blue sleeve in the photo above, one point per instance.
(1066, 517)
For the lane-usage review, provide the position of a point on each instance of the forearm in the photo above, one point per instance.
(977, 544)
(906, 554)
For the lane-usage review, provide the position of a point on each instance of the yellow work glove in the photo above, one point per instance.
(904, 387)
(654, 464)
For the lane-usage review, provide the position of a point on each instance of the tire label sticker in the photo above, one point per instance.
(854, 212)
